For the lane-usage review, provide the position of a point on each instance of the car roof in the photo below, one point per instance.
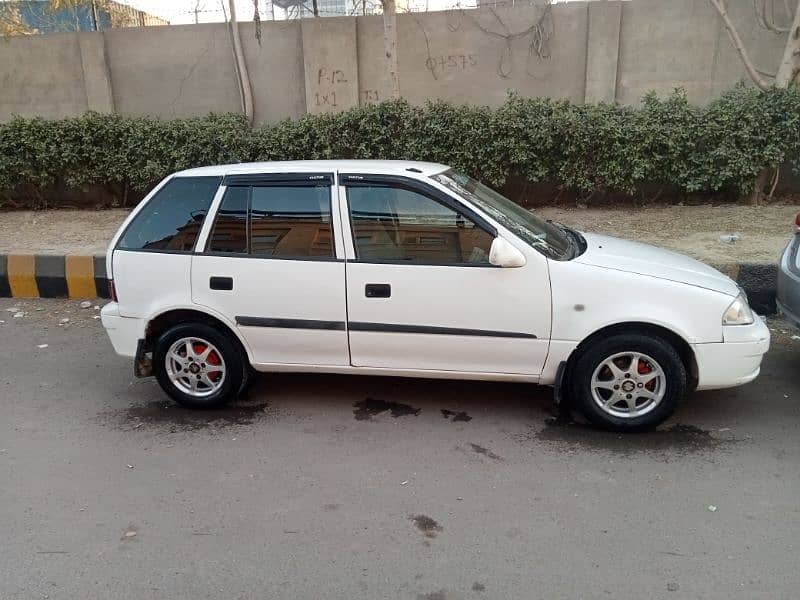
(388, 167)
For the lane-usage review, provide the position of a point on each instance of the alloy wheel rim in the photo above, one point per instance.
(628, 385)
(195, 366)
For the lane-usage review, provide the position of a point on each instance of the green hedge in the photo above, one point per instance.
(721, 147)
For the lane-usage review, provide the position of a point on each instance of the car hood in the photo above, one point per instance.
(634, 257)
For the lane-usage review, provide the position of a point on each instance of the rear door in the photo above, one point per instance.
(270, 265)
(421, 293)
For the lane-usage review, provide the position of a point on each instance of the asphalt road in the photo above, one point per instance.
(361, 487)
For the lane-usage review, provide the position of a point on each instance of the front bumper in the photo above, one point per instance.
(736, 360)
(124, 332)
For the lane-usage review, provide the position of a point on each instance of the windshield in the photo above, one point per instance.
(547, 238)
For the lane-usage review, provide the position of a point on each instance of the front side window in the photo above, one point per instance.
(172, 218)
(544, 236)
(399, 224)
(275, 221)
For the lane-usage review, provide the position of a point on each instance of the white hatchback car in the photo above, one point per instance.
(411, 269)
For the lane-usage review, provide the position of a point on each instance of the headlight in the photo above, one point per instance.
(738, 312)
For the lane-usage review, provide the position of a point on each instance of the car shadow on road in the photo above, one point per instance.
(705, 421)
(343, 398)
(523, 412)
(304, 392)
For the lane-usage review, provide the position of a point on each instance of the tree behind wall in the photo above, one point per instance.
(11, 22)
(390, 45)
(240, 63)
(787, 71)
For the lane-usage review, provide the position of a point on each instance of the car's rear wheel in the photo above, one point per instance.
(198, 366)
(628, 381)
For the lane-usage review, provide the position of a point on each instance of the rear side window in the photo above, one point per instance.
(172, 219)
(275, 221)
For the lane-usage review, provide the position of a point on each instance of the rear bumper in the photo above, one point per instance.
(735, 361)
(124, 332)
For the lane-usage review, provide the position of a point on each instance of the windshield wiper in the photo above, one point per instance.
(579, 240)
(576, 241)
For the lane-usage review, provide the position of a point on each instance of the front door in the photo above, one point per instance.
(421, 293)
(270, 265)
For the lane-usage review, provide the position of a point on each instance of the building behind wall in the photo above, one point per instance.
(38, 16)
(330, 8)
(510, 3)
(334, 8)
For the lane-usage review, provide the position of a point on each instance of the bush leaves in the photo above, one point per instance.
(581, 147)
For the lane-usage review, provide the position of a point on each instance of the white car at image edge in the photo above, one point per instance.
(411, 269)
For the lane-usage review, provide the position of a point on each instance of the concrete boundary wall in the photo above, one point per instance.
(601, 50)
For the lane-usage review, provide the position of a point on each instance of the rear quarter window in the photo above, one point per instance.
(171, 220)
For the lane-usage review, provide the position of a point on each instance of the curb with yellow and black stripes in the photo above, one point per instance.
(53, 276)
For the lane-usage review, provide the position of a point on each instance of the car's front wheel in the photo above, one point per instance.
(198, 366)
(628, 381)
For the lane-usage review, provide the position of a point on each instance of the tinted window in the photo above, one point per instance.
(284, 222)
(173, 217)
(546, 237)
(292, 222)
(399, 224)
(230, 227)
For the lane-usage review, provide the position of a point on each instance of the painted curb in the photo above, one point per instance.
(84, 276)
(53, 276)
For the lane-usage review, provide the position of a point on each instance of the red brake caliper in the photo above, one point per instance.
(644, 369)
(213, 359)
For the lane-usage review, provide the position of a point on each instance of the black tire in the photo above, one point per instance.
(233, 381)
(590, 358)
(249, 377)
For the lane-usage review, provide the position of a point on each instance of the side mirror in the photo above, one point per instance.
(503, 254)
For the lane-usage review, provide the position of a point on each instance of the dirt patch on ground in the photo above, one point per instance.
(49, 313)
(676, 440)
(168, 415)
(59, 231)
(784, 334)
(370, 407)
(486, 452)
(429, 527)
(460, 416)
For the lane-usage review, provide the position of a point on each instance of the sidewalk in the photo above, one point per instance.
(58, 231)
(45, 239)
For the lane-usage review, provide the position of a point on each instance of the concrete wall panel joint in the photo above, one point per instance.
(96, 74)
